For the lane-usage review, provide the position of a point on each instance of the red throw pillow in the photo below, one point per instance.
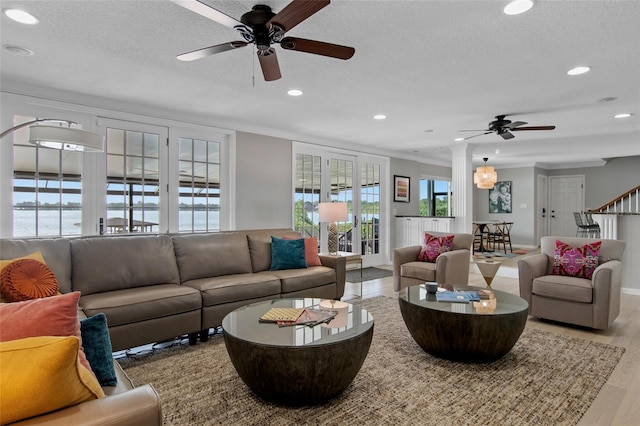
(49, 316)
(27, 279)
(434, 246)
(577, 262)
(310, 250)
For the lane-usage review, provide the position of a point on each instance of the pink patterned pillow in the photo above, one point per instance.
(577, 262)
(434, 246)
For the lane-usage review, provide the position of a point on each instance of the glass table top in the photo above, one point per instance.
(243, 324)
(502, 303)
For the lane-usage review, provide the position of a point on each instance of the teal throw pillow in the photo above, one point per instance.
(97, 348)
(287, 254)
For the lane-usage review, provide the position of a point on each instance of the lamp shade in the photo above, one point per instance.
(485, 176)
(68, 138)
(332, 212)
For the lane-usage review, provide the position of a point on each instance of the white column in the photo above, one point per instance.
(462, 181)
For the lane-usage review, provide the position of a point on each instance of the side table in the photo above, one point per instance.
(350, 258)
(488, 269)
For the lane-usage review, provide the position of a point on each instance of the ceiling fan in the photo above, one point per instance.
(504, 127)
(262, 27)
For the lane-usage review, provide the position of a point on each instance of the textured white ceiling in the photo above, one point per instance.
(441, 66)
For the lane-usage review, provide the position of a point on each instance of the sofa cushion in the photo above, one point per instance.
(43, 374)
(287, 254)
(48, 316)
(303, 279)
(260, 246)
(237, 287)
(102, 264)
(425, 271)
(563, 288)
(141, 303)
(27, 279)
(97, 348)
(577, 262)
(211, 255)
(55, 252)
(433, 246)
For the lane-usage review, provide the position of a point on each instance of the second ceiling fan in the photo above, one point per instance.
(262, 27)
(504, 127)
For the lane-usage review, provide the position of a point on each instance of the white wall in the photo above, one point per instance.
(263, 182)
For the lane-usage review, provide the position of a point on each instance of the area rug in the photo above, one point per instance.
(547, 379)
(371, 273)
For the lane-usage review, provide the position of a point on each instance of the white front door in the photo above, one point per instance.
(567, 196)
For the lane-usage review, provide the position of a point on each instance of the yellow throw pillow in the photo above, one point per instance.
(42, 374)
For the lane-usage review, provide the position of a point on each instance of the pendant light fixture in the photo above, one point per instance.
(485, 176)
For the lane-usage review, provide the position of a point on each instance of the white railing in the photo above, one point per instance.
(628, 202)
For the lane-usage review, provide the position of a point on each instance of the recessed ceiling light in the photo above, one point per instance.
(578, 70)
(458, 139)
(379, 116)
(17, 50)
(517, 7)
(294, 92)
(623, 115)
(21, 16)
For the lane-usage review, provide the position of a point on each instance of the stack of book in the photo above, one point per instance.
(285, 317)
(463, 296)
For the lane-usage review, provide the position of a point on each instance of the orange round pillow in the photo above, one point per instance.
(27, 279)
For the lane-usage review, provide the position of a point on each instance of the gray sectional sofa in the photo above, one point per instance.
(156, 287)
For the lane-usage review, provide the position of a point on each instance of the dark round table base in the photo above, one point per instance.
(298, 375)
(463, 337)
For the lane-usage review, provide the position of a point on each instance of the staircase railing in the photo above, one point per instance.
(629, 202)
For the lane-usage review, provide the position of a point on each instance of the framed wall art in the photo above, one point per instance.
(500, 197)
(401, 188)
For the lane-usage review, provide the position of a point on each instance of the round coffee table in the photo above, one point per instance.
(297, 365)
(467, 332)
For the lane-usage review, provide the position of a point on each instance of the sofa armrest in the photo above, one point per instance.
(136, 407)
(529, 268)
(606, 282)
(338, 263)
(452, 267)
(401, 256)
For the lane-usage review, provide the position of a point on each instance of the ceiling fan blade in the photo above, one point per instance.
(514, 124)
(211, 50)
(480, 134)
(475, 130)
(317, 47)
(269, 64)
(296, 12)
(506, 135)
(535, 128)
(208, 12)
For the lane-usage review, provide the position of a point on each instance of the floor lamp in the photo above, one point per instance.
(332, 213)
(59, 137)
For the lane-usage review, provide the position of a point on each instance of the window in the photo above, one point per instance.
(199, 206)
(435, 197)
(47, 195)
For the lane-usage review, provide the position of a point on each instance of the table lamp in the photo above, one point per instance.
(332, 213)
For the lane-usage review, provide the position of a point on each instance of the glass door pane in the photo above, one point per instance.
(370, 208)
(341, 190)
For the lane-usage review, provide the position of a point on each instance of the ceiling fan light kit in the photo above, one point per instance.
(264, 28)
(485, 176)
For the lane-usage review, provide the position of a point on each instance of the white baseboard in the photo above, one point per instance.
(632, 291)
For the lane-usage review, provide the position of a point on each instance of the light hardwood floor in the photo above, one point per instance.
(618, 402)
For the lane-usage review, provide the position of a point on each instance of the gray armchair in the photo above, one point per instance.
(450, 268)
(593, 303)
